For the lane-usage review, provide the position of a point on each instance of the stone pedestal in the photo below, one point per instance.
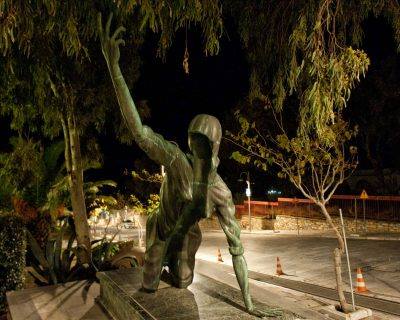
(204, 299)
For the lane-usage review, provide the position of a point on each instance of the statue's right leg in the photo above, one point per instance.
(153, 257)
(182, 262)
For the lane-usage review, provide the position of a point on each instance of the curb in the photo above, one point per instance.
(302, 234)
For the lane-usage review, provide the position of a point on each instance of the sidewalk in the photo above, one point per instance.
(72, 300)
(77, 300)
(308, 258)
(306, 305)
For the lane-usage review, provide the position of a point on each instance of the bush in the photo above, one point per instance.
(12, 256)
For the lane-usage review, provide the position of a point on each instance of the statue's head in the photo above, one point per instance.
(204, 136)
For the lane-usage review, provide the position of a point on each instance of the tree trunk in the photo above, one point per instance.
(73, 162)
(337, 258)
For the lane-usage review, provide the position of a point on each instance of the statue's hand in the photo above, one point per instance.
(110, 45)
(265, 312)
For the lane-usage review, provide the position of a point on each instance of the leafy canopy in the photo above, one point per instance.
(307, 48)
(315, 166)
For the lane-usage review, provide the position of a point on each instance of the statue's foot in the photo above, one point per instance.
(147, 290)
(182, 283)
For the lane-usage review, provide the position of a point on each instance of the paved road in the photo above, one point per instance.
(309, 259)
(122, 234)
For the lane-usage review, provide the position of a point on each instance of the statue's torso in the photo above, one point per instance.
(176, 192)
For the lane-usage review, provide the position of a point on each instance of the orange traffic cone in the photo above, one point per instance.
(360, 285)
(279, 270)
(219, 256)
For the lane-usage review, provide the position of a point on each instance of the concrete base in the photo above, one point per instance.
(72, 300)
(204, 299)
(359, 314)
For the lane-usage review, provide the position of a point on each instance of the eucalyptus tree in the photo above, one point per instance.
(291, 44)
(315, 165)
(304, 49)
(53, 81)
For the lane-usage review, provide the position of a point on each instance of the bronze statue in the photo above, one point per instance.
(191, 189)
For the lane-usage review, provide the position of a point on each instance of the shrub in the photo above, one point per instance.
(12, 255)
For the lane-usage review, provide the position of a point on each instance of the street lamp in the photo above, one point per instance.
(248, 193)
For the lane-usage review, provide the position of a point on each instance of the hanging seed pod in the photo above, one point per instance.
(185, 62)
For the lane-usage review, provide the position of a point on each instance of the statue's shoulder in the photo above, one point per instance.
(159, 149)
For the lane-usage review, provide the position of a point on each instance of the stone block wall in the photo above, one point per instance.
(257, 223)
(209, 224)
(283, 222)
(292, 223)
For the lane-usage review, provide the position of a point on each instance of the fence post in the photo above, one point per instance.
(297, 216)
(355, 213)
(365, 223)
(377, 203)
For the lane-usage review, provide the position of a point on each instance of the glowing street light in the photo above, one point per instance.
(248, 194)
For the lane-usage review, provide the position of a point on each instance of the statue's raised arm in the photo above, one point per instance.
(156, 147)
(110, 47)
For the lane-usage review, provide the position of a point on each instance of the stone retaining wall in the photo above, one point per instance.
(209, 224)
(283, 222)
(257, 223)
(292, 223)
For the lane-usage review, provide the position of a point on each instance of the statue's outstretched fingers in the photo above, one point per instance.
(108, 25)
(117, 32)
(272, 312)
(264, 313)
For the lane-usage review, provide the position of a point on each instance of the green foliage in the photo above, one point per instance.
(167, 17)
(22, 169)
(239, 157)
(103, 250)
(73, 23)
(97, 200)
(30, 170)
(12, 255)
(43, 86)
(57, 263)
(59, 194)
(111, 255)
(92, 191)
(6, 192)
(315, 164)
(153, 203)
(144, 175)
(303, 48)
(53, 264)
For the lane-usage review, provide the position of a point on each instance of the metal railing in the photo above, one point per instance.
(384, 208)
